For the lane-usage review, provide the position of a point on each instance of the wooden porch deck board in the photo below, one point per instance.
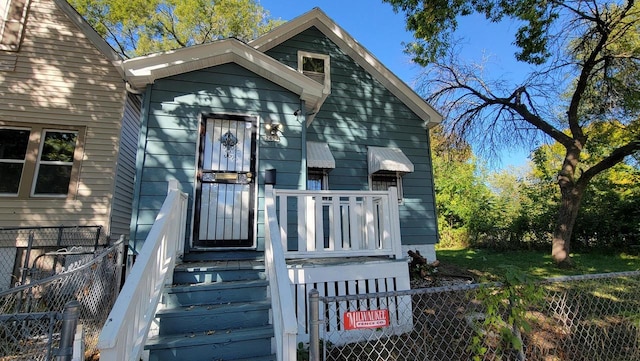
(338, 261)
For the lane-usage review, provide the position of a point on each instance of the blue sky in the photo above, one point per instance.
(376, 27)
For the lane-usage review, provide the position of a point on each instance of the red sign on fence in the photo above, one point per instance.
(366, 319)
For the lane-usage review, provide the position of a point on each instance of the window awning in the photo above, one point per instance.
(319, 156)
(388, 159)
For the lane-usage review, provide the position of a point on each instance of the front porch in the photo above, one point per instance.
(337, 242)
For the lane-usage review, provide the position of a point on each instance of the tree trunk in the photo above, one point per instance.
(571, 196)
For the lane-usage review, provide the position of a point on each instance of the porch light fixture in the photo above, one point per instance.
(272, 130)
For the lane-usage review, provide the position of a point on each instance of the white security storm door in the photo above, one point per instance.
(225, 193)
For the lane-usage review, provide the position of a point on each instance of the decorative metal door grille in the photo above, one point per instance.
(225, 202)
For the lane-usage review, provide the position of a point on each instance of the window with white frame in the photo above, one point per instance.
(382, 181)
(316, 67)
(13, 152)
(39, 161)
(317, 179)
(55, 163)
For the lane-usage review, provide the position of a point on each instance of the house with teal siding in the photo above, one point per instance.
(371, 125)
(297, 150)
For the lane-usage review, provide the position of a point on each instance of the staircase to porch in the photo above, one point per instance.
(216, 309)
(241, 305)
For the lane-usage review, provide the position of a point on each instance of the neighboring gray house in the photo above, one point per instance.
(306, 100)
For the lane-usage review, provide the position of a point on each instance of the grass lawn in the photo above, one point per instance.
(487, 263)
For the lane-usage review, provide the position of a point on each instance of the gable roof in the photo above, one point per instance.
(89, 32)
(144, 70)
(357, 52)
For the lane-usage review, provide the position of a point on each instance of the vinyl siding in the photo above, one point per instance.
(361, 112)
(61, 79)
(170, 133)
(123, 192)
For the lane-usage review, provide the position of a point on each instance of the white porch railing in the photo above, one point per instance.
(282, 306)
(339, 223)
(125, 333)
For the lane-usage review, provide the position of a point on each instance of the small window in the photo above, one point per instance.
(316, 67)
(13, 150)
(312, 65)
(386, 167)
(55, 163)
(317, 179)
(382, 181)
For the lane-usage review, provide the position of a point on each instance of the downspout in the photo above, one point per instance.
(433, 185)
(300, 117)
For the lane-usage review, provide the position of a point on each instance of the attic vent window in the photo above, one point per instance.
(313, 68)
(316, 67)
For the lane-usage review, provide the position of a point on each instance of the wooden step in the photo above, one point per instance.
(218, 271)
(238, 255)
(223, 345)
(215, 293)
(203, 318)
(257, 358)
(217, 309)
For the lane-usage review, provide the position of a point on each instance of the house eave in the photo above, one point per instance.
(145, 70)
(357, 52)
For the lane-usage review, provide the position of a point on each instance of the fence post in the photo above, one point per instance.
(98, 233)
(24, 271)
(25, 264)
(120, 264)
(60, 230)
(314, 325)
(69, 323)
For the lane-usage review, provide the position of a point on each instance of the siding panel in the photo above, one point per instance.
(172, 123)
(123, 192)
(361, 112)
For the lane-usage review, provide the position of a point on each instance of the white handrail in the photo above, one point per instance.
(284, 320)
(339, 223)
(125, 332)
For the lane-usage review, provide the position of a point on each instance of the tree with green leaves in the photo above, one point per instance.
(139, 27)
(610, 209)
(465, 203)
(585, 61)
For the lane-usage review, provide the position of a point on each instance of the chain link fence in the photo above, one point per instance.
(29, 253)
(590, 318)
(30, 313)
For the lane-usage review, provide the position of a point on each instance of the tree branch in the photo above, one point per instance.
(614, 158)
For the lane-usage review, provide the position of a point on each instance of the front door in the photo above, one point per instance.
(225, 191)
